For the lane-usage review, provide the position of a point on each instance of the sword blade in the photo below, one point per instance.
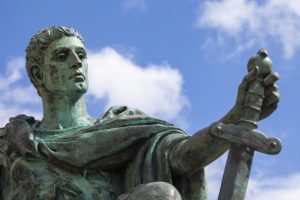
(236, 174)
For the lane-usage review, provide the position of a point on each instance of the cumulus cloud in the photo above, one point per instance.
(8, 111)
(16, 98)
(246, 19)
(277, 188)
(214, 173)
(156, 89)
(13, 72)
(20, 95)
(260, 187)
(12, 87)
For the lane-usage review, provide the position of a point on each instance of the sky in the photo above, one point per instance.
(181, 61)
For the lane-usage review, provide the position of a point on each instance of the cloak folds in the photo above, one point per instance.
(122, 138)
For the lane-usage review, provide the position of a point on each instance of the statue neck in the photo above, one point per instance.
(62, 112)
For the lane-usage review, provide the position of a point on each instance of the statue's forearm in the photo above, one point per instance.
(196, 152)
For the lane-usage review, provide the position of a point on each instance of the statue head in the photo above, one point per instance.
(56, 62)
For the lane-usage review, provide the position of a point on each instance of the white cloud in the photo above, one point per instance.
(260, 186)
(15, 97)
(156, 89)
(13, 72)
(20, 94)
(277, 188)
(8, 111)
(246, 19)
(214, 173)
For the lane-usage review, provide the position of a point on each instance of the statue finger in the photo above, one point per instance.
(270, 89)
(270, 103)
(267, 111)
(271, 79)
(271, 99)
(249, 78)
(252, 74)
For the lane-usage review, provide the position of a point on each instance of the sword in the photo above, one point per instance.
(244, 137)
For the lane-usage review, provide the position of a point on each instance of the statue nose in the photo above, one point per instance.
(76, 61)
(77, 64)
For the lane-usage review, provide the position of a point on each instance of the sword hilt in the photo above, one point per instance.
(255, 94)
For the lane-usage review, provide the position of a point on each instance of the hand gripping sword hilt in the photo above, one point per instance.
(255, 94)
(244, 133)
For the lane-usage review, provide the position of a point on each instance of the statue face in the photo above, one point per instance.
(65, 67)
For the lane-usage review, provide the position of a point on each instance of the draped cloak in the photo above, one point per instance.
(124, 142)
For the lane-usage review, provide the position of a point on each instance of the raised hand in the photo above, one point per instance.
(270, 101)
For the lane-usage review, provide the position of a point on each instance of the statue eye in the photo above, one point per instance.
(81, 56)
(62, 56)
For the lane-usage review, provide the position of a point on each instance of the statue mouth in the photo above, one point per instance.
(78, 77)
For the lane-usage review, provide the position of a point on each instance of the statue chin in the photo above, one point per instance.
(77, 89)
(80, 88)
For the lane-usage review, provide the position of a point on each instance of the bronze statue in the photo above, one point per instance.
(124, 155)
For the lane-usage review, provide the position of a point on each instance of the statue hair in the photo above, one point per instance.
(40, 42)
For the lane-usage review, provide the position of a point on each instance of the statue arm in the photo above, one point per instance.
(196, 152)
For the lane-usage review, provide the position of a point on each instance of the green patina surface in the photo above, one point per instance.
(69, 155)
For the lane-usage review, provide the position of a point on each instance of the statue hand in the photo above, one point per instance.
(270, 102)
(272, 96)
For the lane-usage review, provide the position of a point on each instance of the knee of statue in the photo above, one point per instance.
(155, 190)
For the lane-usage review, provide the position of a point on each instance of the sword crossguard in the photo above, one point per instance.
(246, 137)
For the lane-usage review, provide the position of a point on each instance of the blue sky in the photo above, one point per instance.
(181, 61)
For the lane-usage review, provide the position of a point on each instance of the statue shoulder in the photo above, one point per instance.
(121, 116)
(17, 134)
(120, 112)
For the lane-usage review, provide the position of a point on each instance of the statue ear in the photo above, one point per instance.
(36, 75)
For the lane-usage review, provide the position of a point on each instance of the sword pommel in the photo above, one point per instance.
(262, 61)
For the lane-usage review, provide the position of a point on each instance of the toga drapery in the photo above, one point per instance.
(121, 150)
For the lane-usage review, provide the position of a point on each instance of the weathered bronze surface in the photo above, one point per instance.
(124, 154)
